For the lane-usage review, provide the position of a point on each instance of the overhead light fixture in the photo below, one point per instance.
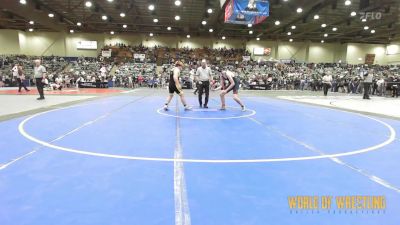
(353, 14)
(289, 33)
(210, 10)
(110, 0)
(223, 37)
(30, 29)
(79, 24)
(71, 31)
(316, 17)
(188, 36)
(323, 25)
(325, 35)
(347, 2)
(178, 2)
(258, 39)
(51, 15)
(125, 26)
(88, 4)
(249, 25)
(277, 22)
(169, 28)
(155, 20)
(359, 59)
(23, 2)
(151, 34)
(31, 22)
(291, 40)
(112, 32)
(177, 17)
(122, 14)
(322, 41)
(104, 17)
(364, 20)
(204, 22)
(299, 10)
(366, 27)
(372, 31)
(151, 7)
(334, 29)
(210, 30)
(293, 27)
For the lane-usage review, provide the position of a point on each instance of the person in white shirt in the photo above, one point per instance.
(203, 76)
(327, 82)
(103, 71)
(368, 77)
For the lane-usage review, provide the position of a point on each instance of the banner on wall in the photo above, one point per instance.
(139, 56)
(246, 11)
(106, 53)
(246, 58)
(262, 51)
(87, 45)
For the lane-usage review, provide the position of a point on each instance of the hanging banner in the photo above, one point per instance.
(246, 11)
(246, 58)
(106, 53)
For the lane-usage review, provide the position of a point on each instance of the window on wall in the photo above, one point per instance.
(392, 49)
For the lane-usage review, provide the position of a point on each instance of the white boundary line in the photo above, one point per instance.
(392, 137)
(253, 112)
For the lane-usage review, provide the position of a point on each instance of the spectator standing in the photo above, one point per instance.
(326, 82)
(21, 79)
(368, 76)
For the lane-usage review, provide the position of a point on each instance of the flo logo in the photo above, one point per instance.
(370, 15)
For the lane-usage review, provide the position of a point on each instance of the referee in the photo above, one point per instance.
(40, 76)
(203, 77)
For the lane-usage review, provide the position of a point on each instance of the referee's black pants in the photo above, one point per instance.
(204, 86)
(40, 87)
(367, 86)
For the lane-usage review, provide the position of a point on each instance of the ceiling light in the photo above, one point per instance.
(323, 25)
(372, 31)
(325, 35)
(112, 32)
(122, 14)
(289, 33)
(364, 20)
(250, 32)
(277, 22)
(177, 17)
(322, 41)
(359, 59)
(334, 29)
(249, 25)
(110, 0)
(155, 20)
(223, 37)
(151, 7)
(258, 39)
(88, 4)
(79, 24)
(104, 17)
(293, 27)
(51, 15)
(188, 36)
(366, 27)
(299, 10)
(23, 2)
(31, 22)
(151, 34)
(316, 17)
(210, 30)
(125, 26)
(291, 40)
(71, 31)
(347, 2)
(210, 10)
(30, 29)
(204, 22)
(178, 2)
(353, 14)
(169, 28)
